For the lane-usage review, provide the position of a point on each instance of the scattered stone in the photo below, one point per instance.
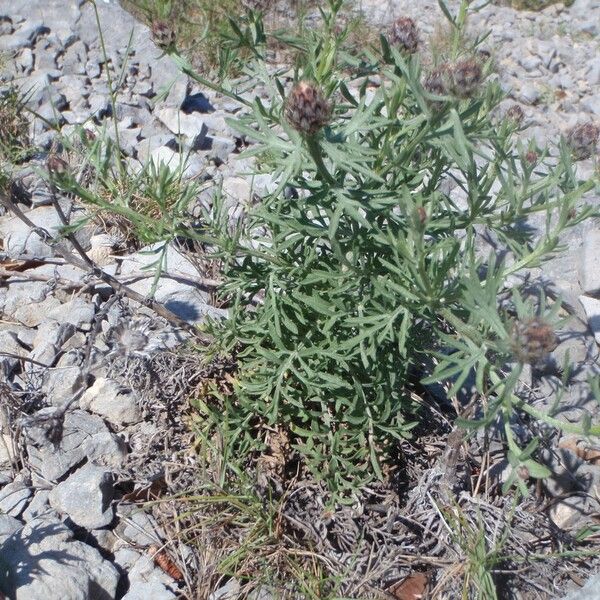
(85, 497)
(143, 590)
(230, 591)
(19, 239)
(588, 592)
(109, 400)
(142, 529)
(14, 498)
(43, 561)
(38, 506)
(84, 436)
(77, 312)
(60, 384)
(592, 310)
(190, 165)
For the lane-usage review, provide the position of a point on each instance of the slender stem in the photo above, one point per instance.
(315, 152)
(562, 425)
(186, 68)
(111, 90)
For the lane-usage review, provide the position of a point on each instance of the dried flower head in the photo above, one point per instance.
(163, 34)
(130, 339)
(436, 82)
(56, 165)
(466, 76)
(404, 35)
(306, 109)
(533, 340)
(583, 139)
(515, 114)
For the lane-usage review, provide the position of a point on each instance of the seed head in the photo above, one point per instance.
(436, 82)
(306, 109)
(583, 139)
(466, 77)
(56, 165)
(404, 35)
(163, 34)
(533, 340)
(515, 114)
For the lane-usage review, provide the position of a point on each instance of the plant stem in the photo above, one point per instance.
(186, 68)
(314, 149)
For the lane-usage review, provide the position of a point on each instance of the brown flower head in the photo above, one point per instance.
(531, 157)
(583, 139)
(404, 35)
(306, 109)
(56, 165)
(436, 82)
(466, 76)
(533, 340)
(515, 114)
(163, 34)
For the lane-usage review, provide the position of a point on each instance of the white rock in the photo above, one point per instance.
(191, 125)
(63, 568)
(107, 399)
(84, 436)
(77, 312)
(18, 238)
(85, 497)
(14, 498)
(191, 165)
(589, 266)
(144, 590)
(592, 310)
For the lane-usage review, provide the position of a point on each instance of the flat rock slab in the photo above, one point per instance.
(84, 436)
(42, 561)
(85, 497)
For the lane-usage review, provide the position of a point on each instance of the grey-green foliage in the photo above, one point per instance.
(339, 295)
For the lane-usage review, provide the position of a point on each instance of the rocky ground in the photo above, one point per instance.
(92, 391)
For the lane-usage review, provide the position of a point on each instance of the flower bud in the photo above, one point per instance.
(404, 35)
(56, 165)
(533, 340)
(466, 77)
(306, 109)
(163, 34)
(583, 139)
(531, 157)
(436, 81)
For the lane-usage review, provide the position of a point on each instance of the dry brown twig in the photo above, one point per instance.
(84, 263)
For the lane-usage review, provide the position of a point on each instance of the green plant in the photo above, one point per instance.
(481, 556)
(239, 534)
(14, 127)
(339, 296)
(533, 4)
